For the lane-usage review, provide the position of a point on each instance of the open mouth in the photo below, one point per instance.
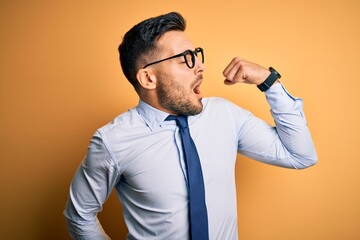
(197, 89)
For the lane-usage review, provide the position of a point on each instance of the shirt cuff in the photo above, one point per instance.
(279, 99)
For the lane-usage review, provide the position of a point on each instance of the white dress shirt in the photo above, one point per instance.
(140, 155)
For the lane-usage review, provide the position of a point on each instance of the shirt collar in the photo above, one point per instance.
(153, 117)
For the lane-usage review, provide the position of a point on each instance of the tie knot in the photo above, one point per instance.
(181, 120)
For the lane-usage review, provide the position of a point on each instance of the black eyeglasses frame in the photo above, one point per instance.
(183, 54)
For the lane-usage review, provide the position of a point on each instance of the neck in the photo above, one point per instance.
(150, 97)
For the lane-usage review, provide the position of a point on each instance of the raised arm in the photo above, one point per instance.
(289, 143)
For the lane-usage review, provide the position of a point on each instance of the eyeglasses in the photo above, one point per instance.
(188, 55)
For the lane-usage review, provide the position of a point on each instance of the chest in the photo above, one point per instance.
(155, 163)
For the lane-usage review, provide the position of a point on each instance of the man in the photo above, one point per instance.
(144, 153)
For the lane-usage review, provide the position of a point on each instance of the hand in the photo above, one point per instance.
(240, 70)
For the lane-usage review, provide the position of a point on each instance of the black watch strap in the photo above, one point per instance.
(269, 81)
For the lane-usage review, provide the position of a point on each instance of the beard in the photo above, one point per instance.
(176, 98)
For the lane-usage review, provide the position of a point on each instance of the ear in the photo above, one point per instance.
(146, 78)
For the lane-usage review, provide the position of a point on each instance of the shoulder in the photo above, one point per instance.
(222, 105)
(215, 100)
(213, 103)
(221, 111)
(125, 126)
(123, 121)
(116, 137)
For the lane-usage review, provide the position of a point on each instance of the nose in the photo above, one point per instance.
(199, 66)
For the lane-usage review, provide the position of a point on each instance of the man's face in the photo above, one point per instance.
(178, 86)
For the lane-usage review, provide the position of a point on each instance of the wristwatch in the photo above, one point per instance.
(269, 81)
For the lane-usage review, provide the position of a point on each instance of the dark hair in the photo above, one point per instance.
(141, 39)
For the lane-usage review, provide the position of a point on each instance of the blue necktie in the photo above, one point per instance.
(197, 207)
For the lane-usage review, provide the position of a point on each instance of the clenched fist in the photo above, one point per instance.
(242, 71)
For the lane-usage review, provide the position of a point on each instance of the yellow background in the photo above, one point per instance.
(60, 80)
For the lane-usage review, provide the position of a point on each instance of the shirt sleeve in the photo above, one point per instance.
(289, 143)
(91, 186)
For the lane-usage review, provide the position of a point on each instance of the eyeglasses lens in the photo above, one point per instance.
(190, 57)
